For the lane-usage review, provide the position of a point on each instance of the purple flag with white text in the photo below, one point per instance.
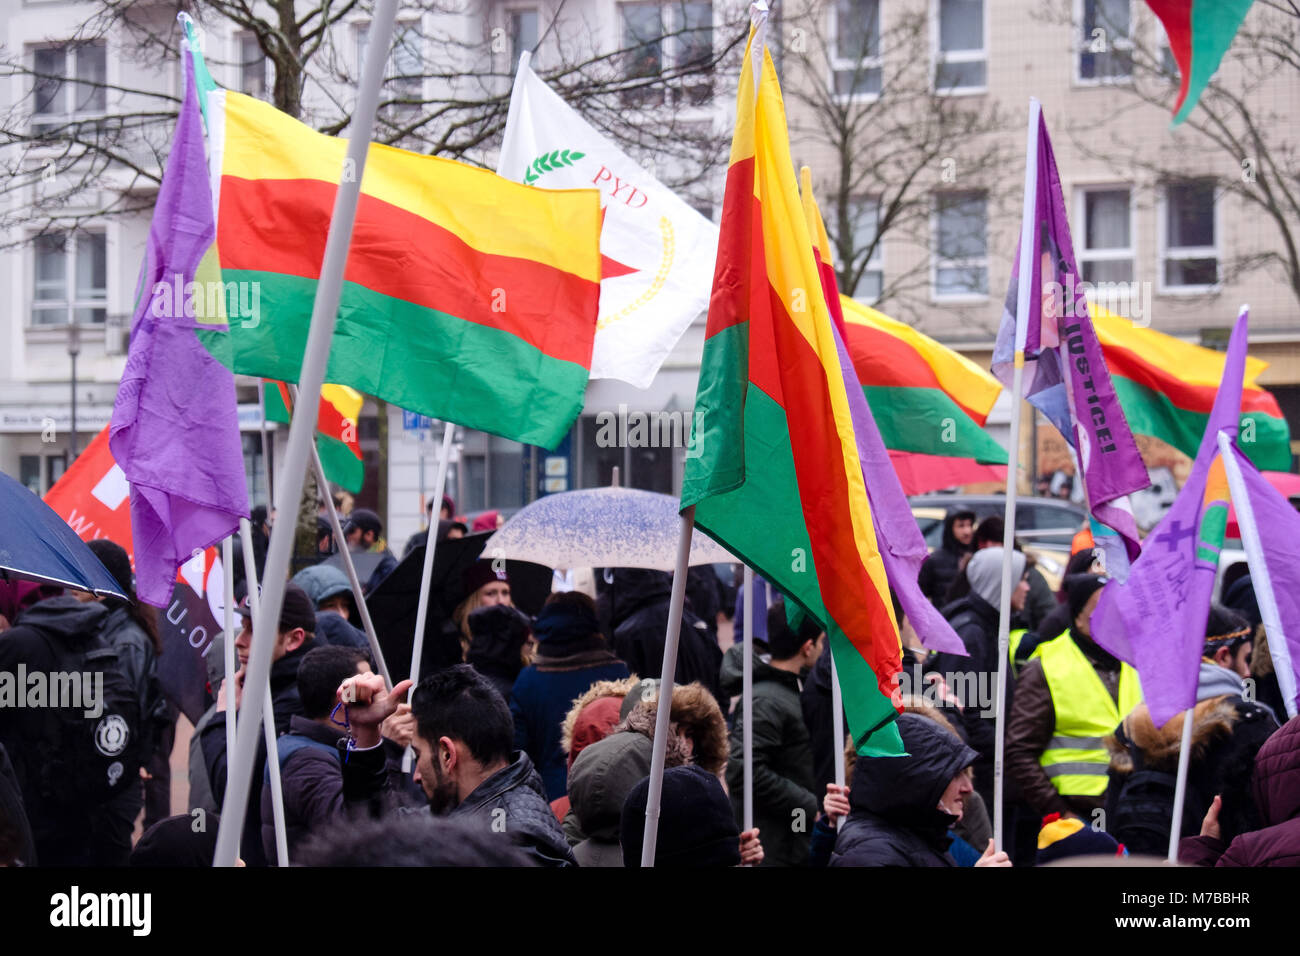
(1156, 620)
(1065, 375)
(175, 427)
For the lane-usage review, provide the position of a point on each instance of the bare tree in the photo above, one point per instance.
(900, 143)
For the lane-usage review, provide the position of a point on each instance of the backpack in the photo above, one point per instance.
(1143, 812)
(286, 745)
(86, 761)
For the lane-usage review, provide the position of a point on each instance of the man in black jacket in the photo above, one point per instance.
(938, 570)
(464, 758)
(294, 639)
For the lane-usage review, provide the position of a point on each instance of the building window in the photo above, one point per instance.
(69, 84)
(71, 279)
(864, 220)
(668, 37)
(29, 472)
(523, 33)
(1105, 40)
(961, 264)
(961, 60)
(1106, 253)
(855, 47)
(254, 68)
(1189, 250)
(404, 74)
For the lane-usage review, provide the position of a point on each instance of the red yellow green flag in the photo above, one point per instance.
(336, 430)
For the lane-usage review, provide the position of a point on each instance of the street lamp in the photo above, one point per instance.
(74, 349)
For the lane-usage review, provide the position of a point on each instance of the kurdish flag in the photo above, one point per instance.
(778, 481)
(1168, 386)
(466, 297)
(927, 398)
(336, 430)
(1199, 32)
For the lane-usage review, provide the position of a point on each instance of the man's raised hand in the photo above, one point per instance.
(369, 704)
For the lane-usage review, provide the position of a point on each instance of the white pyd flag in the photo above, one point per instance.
(657, 252)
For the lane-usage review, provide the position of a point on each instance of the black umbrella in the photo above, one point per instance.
(394, 603)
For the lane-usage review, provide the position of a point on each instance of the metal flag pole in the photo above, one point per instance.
(837, 721)
(228, 643)
(302, 428)
(1024, 293)
(1180, 787)
(337, 528)
(266, 444)
(426, 573)
(268, 717)
(747, 696)
(1259, 576)
(665, 705)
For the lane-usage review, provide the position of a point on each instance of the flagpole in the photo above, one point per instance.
(1260, 579)
(1180, 787)
(357, 592)
(426, 573)
(302, 428)
(228, 644)
(837, 719)
(268, 718)
(664, 706)
(266, 444)
(747, 697)
(1023, 298)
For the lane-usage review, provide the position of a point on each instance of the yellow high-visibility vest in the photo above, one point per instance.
(1015, 638)
(1076, 759)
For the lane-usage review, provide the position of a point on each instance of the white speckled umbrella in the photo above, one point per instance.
(601, 528)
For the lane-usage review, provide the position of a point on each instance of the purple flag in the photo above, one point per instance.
(1156, 620)
(1065, 375)
(1278, 524)
(902, 548)
(175, 428)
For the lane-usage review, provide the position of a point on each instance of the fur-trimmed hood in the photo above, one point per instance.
(1212, 721)
(602, 688)
(697, 715)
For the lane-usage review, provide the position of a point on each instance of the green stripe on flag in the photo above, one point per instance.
(341, 466)
(415, 357)
(928, 421)
(1266, 440)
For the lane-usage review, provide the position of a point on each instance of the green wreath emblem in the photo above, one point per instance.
(547, 162)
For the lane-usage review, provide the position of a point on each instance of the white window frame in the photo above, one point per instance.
(361, 38)
(268, 72)
(937, 263)
(1077, 49)
(838, 65)
(877, 261)
(670, 52)
(1187, 252)
(69, 304)
(69, 83)
(938, 57)
(508, 13)
(1161, 46)
(1082, 253)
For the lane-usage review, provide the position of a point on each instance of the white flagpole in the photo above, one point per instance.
(837, 719)
(665, 704)
(357, 593)
(268, 718)
(1259, 576)
(430, 544)
(1180, 787)
(302, 429)
(228, 643)
(1028, 253)
(747, 697)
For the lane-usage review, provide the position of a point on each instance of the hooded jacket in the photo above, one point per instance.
(782, 761)
(894, 818)
(312, 781)
(1276, 786)
(1227, 733)
(638, 613)
(938, 570)
(75, 626)
(498, 634)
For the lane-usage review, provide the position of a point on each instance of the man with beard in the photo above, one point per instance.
(465, 761)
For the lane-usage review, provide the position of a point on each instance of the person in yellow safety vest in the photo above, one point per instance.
(1069, 696)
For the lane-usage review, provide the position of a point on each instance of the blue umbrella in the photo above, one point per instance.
(37, 545)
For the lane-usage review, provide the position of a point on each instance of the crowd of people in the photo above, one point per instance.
(530, 738)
